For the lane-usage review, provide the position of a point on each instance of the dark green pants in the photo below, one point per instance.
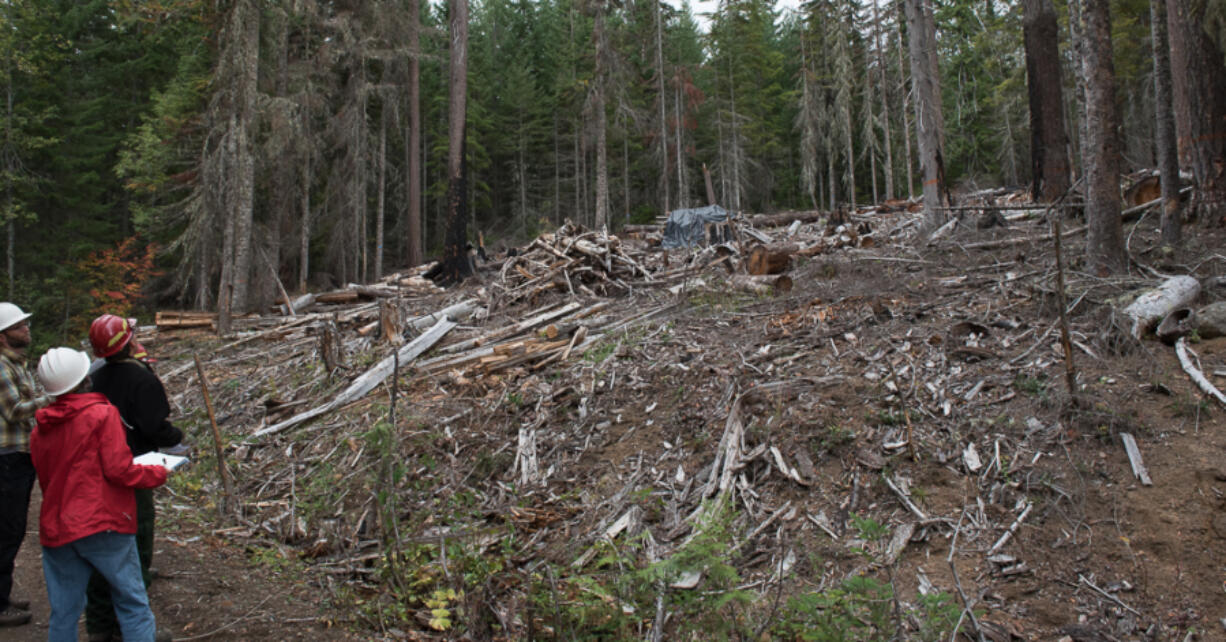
(99, 612)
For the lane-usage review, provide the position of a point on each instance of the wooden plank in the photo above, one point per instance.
(1134, 459)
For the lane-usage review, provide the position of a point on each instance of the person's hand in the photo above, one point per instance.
(180, 449)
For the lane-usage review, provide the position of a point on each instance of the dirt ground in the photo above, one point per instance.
(883, 363)
(202, 590)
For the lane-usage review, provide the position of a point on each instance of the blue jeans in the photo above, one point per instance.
(67, 569)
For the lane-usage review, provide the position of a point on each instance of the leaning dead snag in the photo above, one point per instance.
(227, 503)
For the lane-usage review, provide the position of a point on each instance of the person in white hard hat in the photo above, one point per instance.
(88, 517)
(19, 399)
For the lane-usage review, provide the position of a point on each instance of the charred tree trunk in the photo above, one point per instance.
(1168, 155)
(1048, 140)
(1105, 238)
(1200, 104)
(455, 263)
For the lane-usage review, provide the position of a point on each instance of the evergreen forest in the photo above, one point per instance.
(178, 153)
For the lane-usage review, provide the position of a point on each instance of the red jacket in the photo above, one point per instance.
(85, 470)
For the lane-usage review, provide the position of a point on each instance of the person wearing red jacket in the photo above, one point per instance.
(88, 516)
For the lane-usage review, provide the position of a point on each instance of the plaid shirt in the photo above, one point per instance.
(18, 401)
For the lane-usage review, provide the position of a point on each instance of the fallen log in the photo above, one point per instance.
(1154, 305)
(761, 284)
(369, 380)
(784, 219)
(184, 319)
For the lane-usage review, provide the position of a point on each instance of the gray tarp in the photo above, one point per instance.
(686, 228)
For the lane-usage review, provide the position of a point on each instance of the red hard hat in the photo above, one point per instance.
(109, 334)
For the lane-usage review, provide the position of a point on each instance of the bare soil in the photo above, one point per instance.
(884, 362)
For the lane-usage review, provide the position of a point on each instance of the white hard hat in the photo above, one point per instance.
(62, 369)
(11, 315)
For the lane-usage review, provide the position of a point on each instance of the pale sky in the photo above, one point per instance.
(706, 6)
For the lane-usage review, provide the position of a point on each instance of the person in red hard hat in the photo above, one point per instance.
(132, 387)
(87, 523)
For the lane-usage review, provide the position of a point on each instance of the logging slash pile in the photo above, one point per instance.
(832, 424)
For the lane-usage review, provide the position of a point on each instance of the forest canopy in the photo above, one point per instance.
(182, 152)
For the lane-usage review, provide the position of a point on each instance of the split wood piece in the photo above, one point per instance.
(1181, 350)
(227, 504)
(943, 231)
(770, 259)
(1012, 529)
(757, 235)
(902, 535)
(1134, 459)
(525, 456)
(728, 454)
(905, 499)
(1020, 240)
(371, 378)
(1154, 305)
(788, 471)
(389, 322)
(761, 285)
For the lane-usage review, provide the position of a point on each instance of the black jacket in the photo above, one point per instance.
(138, 394)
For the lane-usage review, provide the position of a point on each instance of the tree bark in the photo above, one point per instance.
(413, 241)
(1164, 130)
(456, 265)
(1105, 238)
(1200, 104)
(379, 197)
(930, 124)
(601, 219)
(1048, 140)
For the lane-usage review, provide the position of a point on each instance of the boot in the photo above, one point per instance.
(12, 616)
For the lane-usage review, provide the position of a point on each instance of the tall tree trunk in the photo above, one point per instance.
(660, 97)
(1164, 130)
(601, 219)
(908, 163)
(413, 170)
(379, 197)
(929, 121)
(456, 265)
(304, 239)
(1200, 104)
(1048, 140)
(1105, 238)
(683, 192)
(882, 78)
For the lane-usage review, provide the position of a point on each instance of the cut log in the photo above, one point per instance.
(762, 285)
(770, 259)
(1153, 306)
(184, 319)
